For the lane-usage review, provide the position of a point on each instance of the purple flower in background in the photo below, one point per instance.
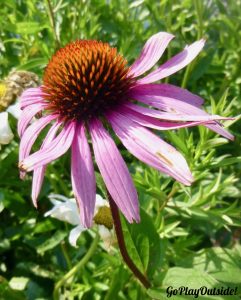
(88, 85)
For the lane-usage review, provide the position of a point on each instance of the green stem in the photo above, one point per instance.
(167, 16)
(186, 76)
(169, 196)
(199, 12)
(76, 268)
(66, 256)
(52, 23)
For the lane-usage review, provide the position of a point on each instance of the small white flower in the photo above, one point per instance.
(66, 209)
(6, 134)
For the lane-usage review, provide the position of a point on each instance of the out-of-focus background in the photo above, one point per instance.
(188, 236)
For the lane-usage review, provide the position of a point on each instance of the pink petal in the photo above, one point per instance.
(38, 173)
(178, 109)
(27, 114)
(51, 152)
(114, 172)
(150, 149)
(218, 128)
(30, 136)
(165, 90)
(173, 116)
(83, 176)
(31, 96)
(150, 122)
(174, 64)
(151, 53)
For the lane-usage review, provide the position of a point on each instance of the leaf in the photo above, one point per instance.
(117, 282)
(37, 270)
(7, 293)
(144, 244)
(26, 27)
(226, 162)
(18, 283)
(46, 242)
(157, 294)
(223, 264)
(131, 246)
(52, 242)
(180, 283)
(33, 64)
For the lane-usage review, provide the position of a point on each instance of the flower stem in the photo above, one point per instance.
(76, 268)
(199, 12)
(168, 197)
(65, 254)
(52, 22)
(121, 242)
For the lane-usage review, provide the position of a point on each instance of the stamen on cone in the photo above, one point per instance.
(85, 79)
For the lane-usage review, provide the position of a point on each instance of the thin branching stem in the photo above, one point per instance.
(52, 23)
(199, 13)
(76, 268)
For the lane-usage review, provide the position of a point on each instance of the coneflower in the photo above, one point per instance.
(88, 84)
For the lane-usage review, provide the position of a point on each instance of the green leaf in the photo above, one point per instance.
(18, 283)
(226, 162)
(179, 283)
(144, 244)
(223, 264)
(157, 294)
(26, 27)
(52, 242)
(7, 293)
(33, 64)
(46, 242)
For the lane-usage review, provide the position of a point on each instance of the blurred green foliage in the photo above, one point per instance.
(189, 235)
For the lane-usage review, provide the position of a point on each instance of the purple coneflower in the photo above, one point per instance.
(88, 84)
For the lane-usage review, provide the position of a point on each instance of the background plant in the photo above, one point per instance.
(188, 236)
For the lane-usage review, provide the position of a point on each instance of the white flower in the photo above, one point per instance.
(66, 209)
(6, 134)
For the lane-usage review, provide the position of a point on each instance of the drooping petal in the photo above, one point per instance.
(150, 122)
(83, 176)
(27, 114)
(175, 115)
(174, 64)
(31, 96)
(74, 235)
(220, 130)
(150, 149)
(114, 172)
(177, 108)
(37, 182)
(151, 53)
(31, 134)
(38, 173)
(51, 152)
(164, 90)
